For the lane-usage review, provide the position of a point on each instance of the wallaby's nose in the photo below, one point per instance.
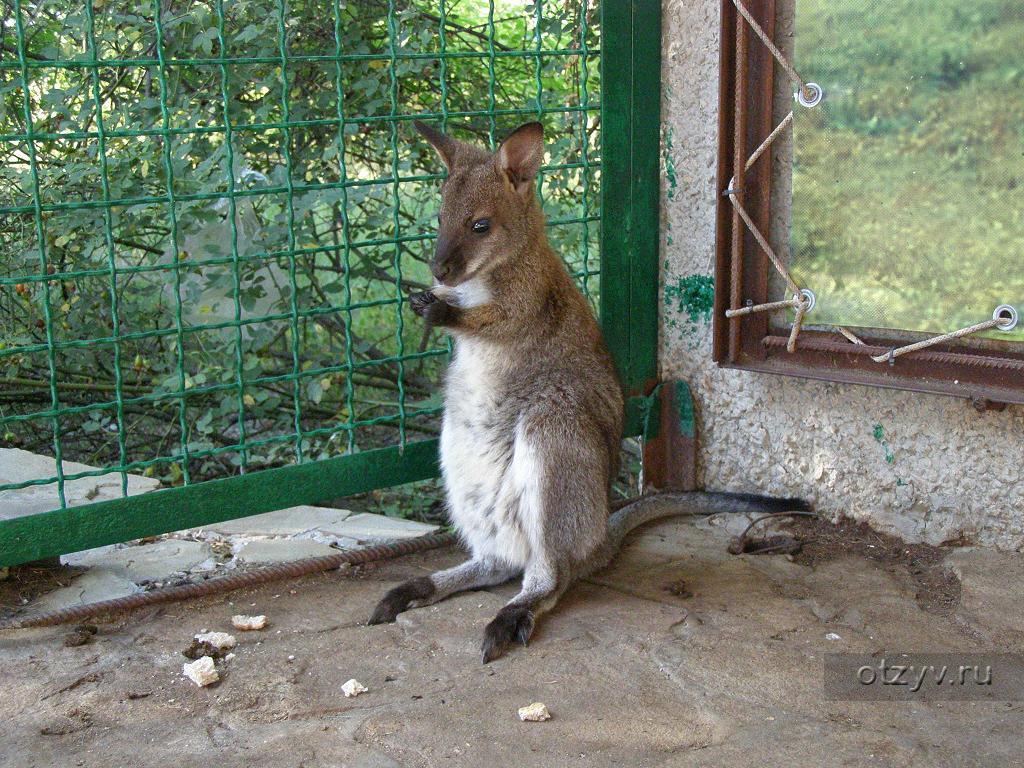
(440, 270)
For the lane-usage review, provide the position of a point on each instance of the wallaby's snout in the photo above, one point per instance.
(439, 270)
(446, 264)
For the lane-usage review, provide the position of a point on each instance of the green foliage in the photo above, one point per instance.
(325, 243)
(908, 181)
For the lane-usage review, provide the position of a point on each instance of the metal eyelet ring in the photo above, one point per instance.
(816, 95)
(809, 297)
(1008, 317)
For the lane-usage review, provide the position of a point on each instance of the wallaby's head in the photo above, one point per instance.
(488, 205)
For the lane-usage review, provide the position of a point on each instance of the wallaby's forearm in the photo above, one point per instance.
(441, 314)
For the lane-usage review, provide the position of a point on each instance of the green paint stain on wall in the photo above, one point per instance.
(879, 434)
(670, 164)
(684, 409)
(693, 296)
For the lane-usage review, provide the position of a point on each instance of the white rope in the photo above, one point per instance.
(783, 62)
(762, 241)
(786, 122)
(850, 335)
(892, 354)
(769, 307)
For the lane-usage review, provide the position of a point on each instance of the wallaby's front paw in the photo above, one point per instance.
(432, 309)
(400, 598)
(513, 622)
(420, 302)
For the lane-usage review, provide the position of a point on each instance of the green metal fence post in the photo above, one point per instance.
(630, 189)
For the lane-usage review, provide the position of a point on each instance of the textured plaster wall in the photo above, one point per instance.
(922, 466)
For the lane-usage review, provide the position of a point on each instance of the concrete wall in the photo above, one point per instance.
(925, 467)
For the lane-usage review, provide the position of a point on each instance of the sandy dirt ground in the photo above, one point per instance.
(679, 654)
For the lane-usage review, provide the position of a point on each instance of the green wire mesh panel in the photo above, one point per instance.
(213, 212)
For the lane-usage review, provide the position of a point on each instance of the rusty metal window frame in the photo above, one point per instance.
(986, 372)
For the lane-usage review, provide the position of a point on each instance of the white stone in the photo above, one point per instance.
(248, 623)
(93, 586)
(222, 641)
(202, 671)
(534, 713)
(18, 466)
(281, 550)
(353, 688)
(146, 562)
(369, 526)
(284, 522)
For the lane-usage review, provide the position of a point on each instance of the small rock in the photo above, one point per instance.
(248, 623)
(230, 657)
(197, 650)
(832, 636)
(202, 672)
(222, 641)
(534, 713)
(81, 635)
(76, 638)
(353, 688)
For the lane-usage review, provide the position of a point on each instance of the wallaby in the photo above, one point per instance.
(533, 412)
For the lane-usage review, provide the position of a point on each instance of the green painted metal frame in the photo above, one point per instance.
(630, 117)
(630, 189)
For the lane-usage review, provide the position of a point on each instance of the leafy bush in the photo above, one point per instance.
(316, 277)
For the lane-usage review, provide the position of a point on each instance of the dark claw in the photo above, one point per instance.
(398, 599)
(513, 622)
(421, 301)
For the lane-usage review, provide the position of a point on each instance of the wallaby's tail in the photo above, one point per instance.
(693, 503)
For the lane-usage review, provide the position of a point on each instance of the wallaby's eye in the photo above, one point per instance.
(481, 225)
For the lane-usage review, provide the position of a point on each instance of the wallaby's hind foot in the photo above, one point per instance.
(400, 598)
(425, 590)
(513, 622)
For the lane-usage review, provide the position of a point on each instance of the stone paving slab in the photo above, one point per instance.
(368, 526)
(18, 466)
(92, 586)
(260, 551)
(146, 562)
(284, 522)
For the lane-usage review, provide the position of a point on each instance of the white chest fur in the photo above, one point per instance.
(490, 470)
(472, 293)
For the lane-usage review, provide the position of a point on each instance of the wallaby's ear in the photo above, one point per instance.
(520, 155)
(445, 145)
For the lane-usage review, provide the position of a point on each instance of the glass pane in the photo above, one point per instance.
(908, 179)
